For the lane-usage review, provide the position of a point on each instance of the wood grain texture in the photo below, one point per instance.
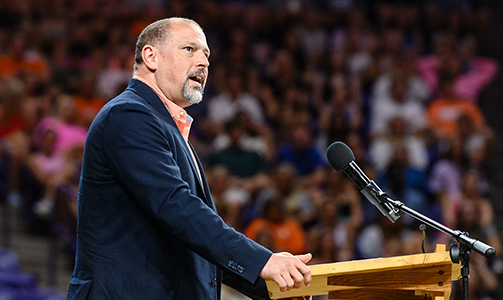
(429, 273)
(382, 294)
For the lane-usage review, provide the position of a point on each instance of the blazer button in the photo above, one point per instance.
(213, 282)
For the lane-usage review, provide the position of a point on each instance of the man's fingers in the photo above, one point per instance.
(297, 276)
(305, 257)
(287, 271)
(291, 277)
(306, 272)
(289, 282)
(281, 282)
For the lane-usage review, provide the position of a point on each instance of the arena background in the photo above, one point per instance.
(52, 53)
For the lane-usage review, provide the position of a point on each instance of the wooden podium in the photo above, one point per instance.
(410, 277)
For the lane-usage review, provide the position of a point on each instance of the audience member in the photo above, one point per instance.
(396, 105)
(404, 65)
(64, 123)
(312, 34)
(87, 101)
(11, 118)
(340, 116)
(284, 185)
(40, 172)
(405, 181)
(115, 76)
(287, 234)
(474, 189)
(232, 198)
(331, 240)
(443, 113)
(340, 190)
(382, 149)
(233, 100)
(476, 141)
(253, 137)
(240, 161)
(381, 238)
(295, 107)
(300, 151)
(445, 180)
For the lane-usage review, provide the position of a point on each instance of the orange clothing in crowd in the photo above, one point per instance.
(13, 124)
(9, 66)
(286, 236)
(87, 109)
(443, 115)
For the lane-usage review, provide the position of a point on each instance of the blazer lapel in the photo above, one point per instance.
(151, 97)
(204, 183)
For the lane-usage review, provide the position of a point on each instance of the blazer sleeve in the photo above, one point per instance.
(141, 150)
(257, 291)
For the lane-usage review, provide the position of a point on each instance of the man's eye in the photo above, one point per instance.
(190, 49)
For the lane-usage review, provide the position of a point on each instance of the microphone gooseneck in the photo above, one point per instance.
(340, 158)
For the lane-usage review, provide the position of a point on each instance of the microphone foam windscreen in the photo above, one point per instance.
(339, 155)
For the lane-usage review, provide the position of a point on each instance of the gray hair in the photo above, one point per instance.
(154, 34)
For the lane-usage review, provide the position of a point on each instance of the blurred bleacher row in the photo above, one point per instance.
(400, 82)
(18, 285)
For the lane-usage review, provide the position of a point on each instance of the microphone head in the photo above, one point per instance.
(339, 155)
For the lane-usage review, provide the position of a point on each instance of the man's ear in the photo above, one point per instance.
(149, 55)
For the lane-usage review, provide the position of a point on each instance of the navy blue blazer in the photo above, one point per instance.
(147, 226)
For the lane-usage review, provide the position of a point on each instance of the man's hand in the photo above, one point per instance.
(287, 271)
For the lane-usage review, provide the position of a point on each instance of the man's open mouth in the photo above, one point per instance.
(197, 77)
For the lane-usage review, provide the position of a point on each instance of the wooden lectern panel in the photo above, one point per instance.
(382, 294)
(420, 278)
(420, 274)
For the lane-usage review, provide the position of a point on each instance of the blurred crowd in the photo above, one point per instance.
(397, 81)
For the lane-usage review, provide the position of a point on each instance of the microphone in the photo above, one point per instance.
(341, 157)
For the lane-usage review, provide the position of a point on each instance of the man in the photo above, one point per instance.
(148, 228)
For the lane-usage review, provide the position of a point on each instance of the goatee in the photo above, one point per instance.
(192, 95)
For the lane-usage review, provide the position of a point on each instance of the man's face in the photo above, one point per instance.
(183, 65)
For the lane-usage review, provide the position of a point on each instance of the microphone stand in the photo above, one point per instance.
(466, 244)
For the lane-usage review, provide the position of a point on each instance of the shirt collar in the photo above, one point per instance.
(182, 119)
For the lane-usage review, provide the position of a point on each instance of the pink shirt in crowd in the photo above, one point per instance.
(467, 85)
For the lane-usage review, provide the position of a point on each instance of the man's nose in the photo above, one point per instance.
(202, 60)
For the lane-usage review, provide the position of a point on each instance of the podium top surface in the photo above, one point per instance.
(393, 272)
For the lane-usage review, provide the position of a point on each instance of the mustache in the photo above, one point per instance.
(198, 72)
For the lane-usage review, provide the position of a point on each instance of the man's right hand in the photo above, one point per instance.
(287, 271)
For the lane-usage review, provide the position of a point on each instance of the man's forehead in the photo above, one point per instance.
(188, 33)
(187, 29)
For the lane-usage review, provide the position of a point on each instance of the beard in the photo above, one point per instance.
(192, 95)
